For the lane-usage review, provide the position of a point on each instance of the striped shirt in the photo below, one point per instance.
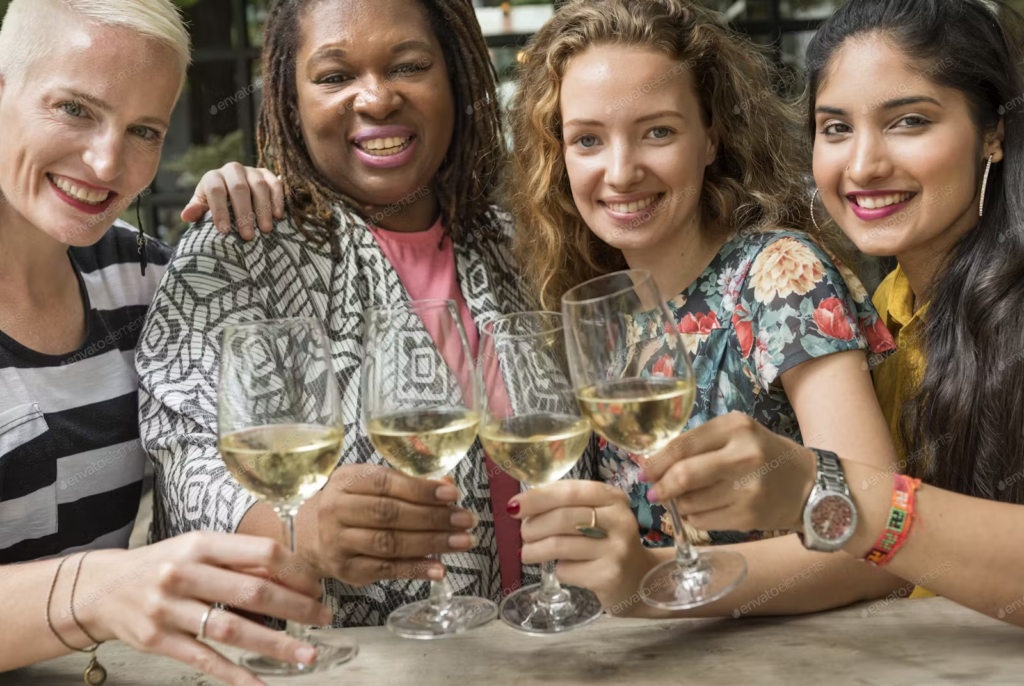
(71, 464)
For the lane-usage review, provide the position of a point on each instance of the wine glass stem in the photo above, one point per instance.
(440, 592)
(293, 629)
(686, 555)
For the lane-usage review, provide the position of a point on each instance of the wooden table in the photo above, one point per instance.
(927, 641)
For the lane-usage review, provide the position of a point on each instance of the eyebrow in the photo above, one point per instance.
(646, 117)
(887, 105)
(410, 45)
(104, 106)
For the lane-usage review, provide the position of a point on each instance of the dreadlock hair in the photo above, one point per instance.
(469, 175)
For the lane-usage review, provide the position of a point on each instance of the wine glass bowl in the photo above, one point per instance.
(635, 383)
(533, 430)
(281, 435)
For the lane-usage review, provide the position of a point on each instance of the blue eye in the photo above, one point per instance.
(72, 109)
(660, 132)
(587, 141)
(145, 133)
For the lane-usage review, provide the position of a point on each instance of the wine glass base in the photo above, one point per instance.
(526, 611)
(670, 586)
(331, 652)
(420, 620)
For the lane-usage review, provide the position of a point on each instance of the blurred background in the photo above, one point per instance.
(215, 121)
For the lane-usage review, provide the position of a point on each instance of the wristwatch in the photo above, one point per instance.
(830, 517)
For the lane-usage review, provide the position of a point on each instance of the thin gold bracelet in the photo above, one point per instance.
(95, 674)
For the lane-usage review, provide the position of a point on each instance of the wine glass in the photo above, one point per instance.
(533, 430)
(619, 332)
(281, 432)
(421, 407)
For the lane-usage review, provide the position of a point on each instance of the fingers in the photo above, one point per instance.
(241, 194)
(693, 474)
(556, 523)
(362, 570)
(276, 192)
(379, 512)
(196, 208)
(262, 197)
(390, 545)
(714, 497)
(383, 481)
(203, 658)
(238, 551)
(215, 191)
(573, 548)
(263, 596)
(566, 493)
(709, 436)
(230, 629)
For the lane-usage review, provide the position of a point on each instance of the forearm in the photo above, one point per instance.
(25, 636)
(784, 578)
(965, 549)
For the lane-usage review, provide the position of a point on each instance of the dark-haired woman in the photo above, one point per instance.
(381, 119)
(918, 153)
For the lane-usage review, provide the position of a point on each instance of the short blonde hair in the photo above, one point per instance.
(29, 26)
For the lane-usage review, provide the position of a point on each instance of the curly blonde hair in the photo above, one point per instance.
(756, 182)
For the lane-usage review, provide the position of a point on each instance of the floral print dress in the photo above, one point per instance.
(766, 303)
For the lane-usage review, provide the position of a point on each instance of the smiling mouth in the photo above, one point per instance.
(877, 202)
(83, 195)
(633, 207)
(384, 147)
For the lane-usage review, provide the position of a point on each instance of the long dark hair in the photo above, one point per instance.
(963, 426)
(468, 178)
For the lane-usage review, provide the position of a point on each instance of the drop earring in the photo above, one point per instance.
(984, 186)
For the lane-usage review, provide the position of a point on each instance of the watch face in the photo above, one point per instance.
(831, 517)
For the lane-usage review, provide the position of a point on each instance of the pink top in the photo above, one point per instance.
(428, 273)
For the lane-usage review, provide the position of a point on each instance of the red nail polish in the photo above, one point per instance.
(512, 507)
(652, 497)
(519, 554)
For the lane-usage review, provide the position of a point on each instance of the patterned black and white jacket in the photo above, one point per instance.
(216, 280)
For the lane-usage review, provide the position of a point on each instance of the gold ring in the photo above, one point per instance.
(202, 623)
(592, 531)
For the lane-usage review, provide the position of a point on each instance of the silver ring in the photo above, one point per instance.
(202, 623)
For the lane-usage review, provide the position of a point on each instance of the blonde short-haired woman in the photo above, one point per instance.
(86, 93)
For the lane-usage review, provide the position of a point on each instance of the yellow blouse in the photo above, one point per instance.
(897, 375)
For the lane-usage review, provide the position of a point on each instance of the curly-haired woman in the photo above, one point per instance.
(638, 145)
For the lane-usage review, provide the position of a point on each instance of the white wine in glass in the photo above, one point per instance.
(281, 434)
(534, 431)
(421, 409)
(642, 412)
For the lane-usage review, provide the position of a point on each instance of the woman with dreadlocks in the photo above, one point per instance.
(381, 119)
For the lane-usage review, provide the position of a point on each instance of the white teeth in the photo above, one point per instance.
(387, 146)
(89, 197)
(631, 207)
(878, 201)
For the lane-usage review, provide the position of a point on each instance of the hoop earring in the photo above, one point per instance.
(813, 196)
(984, 186)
